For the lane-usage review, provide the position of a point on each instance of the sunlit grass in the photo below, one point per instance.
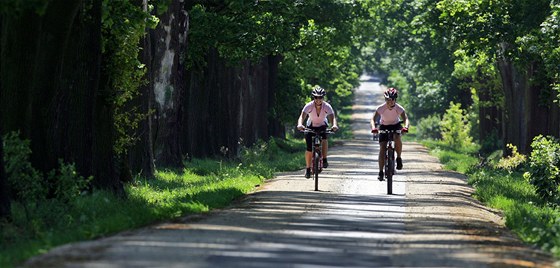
(452, 159)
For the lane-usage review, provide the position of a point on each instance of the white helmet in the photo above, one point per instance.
(318, 92)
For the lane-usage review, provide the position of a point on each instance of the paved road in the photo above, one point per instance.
(429, 221)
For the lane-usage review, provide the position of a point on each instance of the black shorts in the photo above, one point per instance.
(309, 136)
(383, 137)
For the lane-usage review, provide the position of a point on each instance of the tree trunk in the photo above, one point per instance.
(515, 89)
(170, 41)
(275, 127)
(105, 168)
(53, 41)
(528, 110)
(141, 155)
(4, 198)
(18, 49)
(229, 107)
(489, 114)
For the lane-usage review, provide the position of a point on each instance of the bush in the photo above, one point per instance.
(24, 181)
(514, 162)
(455, 127)
(29, 186)
(544, 172)
(429, 127)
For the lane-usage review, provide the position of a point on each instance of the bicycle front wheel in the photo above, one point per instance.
(390, 170)
(316, 159)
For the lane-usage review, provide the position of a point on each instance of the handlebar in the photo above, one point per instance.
(382, 131)
(308, 130)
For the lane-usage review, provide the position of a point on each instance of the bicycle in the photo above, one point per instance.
(317, 156)
(389, 169)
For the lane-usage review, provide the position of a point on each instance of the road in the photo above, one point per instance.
(430, 220)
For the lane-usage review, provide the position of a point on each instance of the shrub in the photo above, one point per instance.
(455, 127)
(544, 172)
(513, 162)
(25, 182)
(429, 127)
(30, 186)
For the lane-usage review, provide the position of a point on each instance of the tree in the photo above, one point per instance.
(500, 29)
(57, 96)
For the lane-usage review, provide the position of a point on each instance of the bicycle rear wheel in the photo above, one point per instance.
(316, 159)
(390, 169)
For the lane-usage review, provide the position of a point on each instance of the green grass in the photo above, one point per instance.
(532, 219)
(525, 213)
(453, 159)
(203, 184)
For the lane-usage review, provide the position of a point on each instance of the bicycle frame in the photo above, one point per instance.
(390, 158)
(317, 156)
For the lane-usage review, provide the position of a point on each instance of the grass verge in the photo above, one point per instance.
(528, 216)
(202, 185)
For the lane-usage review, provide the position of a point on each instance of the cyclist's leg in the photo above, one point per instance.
(325, 147)
(382, 149)
(308, 154)
(398, 149)
(381, 160)
(398, 144)
(308, 149)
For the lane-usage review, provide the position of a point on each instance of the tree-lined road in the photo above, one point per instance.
(429, 221)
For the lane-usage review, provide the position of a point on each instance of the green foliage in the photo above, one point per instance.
(544, 168)
(514, 162)
(525, 212)
(458, 159)
(66, 183)
(429, 127)
(123, 26)
(455, 128)
(25, 182)
(315, 39)
(429, 98)
(28, 185)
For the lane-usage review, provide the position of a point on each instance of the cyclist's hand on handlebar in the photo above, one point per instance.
(334, 128)
(300, 127)
(404, 129)
(374, 130)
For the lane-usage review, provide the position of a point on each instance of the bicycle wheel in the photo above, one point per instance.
(390, 169)
(316, 159)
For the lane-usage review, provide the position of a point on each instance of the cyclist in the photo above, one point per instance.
(317, 112)
(390, 116)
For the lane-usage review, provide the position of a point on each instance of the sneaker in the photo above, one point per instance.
(399, 163)
(325, 163)
(308, 173)
(381, 177)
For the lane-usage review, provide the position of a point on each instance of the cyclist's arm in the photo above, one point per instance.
(301, 118)
(332, 120)
(374, 119)
(404, 118)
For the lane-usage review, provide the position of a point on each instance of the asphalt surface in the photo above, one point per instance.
(430, 220)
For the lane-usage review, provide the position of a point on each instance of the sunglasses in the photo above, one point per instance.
(386, 99)
(318, 97)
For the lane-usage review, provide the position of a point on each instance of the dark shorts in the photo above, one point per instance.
(383, 137)
(309, 137)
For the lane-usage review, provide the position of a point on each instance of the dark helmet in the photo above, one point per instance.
(318, 92)
(391, 93)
